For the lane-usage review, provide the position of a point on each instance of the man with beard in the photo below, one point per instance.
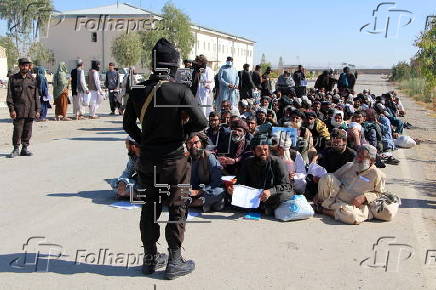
(24, 105)
(261, 116)
(263, 171)
(247, 84)
(305, 139)
(338, 154)
(348, 193)
(257, 79)
(233, 148)
(318, 128)
(228, 84)
(162, 160)
(215, 132)
(266, 83)
(300, 81)
(207, 187)
(251, 122)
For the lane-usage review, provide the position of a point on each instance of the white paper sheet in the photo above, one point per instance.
(316, 170)
(245, 196)
(124, 205)
(227, 178)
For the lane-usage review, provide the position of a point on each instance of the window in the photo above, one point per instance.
(93, 36)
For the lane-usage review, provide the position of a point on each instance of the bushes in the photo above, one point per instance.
(419, 77)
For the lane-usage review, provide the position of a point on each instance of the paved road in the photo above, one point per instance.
(61, 194)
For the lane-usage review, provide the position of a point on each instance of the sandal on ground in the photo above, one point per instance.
(392, 160)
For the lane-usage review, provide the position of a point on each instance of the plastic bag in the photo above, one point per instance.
(297, 208)
(404, 142)
(86, 98)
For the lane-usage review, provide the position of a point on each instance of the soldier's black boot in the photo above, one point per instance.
(15, 152)
(153, 261)
(177, 266)
(25, 152)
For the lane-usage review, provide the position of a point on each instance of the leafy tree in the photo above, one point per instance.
(40, 55)
(263, 66)
(126, 49)
(25, 19)
(175, 26)
(426, 58)
(11, 51)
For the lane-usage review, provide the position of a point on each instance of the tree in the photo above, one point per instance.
(11, 51)
(263, 66)
(175, 26)
(263, 59)
(126, 49)
(280, 65)
(426, 59)
(25, 19)
(40, 55)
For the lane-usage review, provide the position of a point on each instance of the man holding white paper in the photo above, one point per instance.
(266, 173)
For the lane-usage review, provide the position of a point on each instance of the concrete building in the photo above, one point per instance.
(3, 64)
(88, 34)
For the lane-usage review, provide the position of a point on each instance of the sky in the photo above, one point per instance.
(313, 33)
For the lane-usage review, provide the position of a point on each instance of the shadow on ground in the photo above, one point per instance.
(97, 196)
(427, 187)
(25, 263)
(417, 203)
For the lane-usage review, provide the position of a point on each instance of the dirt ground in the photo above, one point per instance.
(60, 196)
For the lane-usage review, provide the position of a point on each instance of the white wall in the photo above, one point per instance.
(3, 68)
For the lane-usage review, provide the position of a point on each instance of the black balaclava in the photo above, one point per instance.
(165, 55)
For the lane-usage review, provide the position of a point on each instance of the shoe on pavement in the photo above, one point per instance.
(153, 262)
(25, 152)
(15, 152)
(177, 266)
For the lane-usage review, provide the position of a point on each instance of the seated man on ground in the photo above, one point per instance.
(318, 129)
(263, 171)
(337, 154)
(349, 193)
(231, 150)
(127, 179)
(207, 187)
(215, 131)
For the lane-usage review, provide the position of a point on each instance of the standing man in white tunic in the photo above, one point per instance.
(229, 80)
(95, 89)
(205, 85)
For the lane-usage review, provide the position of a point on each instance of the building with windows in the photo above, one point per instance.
(88, 34)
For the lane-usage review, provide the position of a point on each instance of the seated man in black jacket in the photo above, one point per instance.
(331, 159)
(337, 154)
(267, 172)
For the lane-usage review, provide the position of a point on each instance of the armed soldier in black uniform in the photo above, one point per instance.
(168, 112)
(23, 103)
